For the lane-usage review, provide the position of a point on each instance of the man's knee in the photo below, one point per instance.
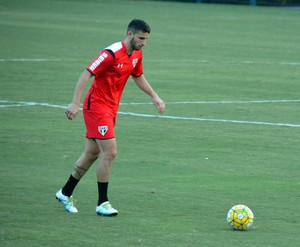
(92, 150)
(114, 154)
(110, 155)
(92, 156)
(108, 149)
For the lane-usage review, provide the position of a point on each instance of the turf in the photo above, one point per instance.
(174, 179)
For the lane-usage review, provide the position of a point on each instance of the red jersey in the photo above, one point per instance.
(111, 69)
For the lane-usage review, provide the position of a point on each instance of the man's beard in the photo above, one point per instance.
(133, 45)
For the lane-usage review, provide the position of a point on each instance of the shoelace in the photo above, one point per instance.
(107, 206)
(71, 201)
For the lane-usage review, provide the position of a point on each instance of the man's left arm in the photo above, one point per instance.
(144, 85)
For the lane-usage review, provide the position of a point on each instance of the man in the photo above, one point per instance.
(111, 70)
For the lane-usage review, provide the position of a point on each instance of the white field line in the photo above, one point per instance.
(21, 103)
(35, 60)
(217, 102)
(227, 62)
(31, 60)
(209, 119)
(14, 103)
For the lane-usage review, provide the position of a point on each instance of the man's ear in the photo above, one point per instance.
(130, 34)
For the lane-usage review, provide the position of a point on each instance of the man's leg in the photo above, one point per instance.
(83, 164)
(86, 160)
(108, 151)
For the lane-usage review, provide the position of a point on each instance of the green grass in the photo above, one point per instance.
(173, 180)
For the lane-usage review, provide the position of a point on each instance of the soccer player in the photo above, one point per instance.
(110, 72)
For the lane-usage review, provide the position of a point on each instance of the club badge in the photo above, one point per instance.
(102, 130)
(134, 62)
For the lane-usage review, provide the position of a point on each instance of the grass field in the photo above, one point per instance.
(230, 134)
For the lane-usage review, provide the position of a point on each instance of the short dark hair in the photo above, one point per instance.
(137, 25)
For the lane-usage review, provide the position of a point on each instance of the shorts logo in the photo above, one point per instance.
(102, 130)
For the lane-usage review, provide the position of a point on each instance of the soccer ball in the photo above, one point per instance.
(240, 217)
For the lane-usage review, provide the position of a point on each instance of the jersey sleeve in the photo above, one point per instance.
(101, 63)
(138, 69)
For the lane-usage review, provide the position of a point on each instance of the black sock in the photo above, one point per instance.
(102, 190)
(67, 190)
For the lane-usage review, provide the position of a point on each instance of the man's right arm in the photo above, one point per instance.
(73, 108)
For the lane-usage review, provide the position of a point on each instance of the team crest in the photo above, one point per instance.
(134, 62)
(102, 130)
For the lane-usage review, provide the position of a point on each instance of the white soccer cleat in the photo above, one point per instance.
(67, 201)
(105, 209)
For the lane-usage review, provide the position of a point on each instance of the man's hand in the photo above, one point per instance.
(158, 102)
(72, 111)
